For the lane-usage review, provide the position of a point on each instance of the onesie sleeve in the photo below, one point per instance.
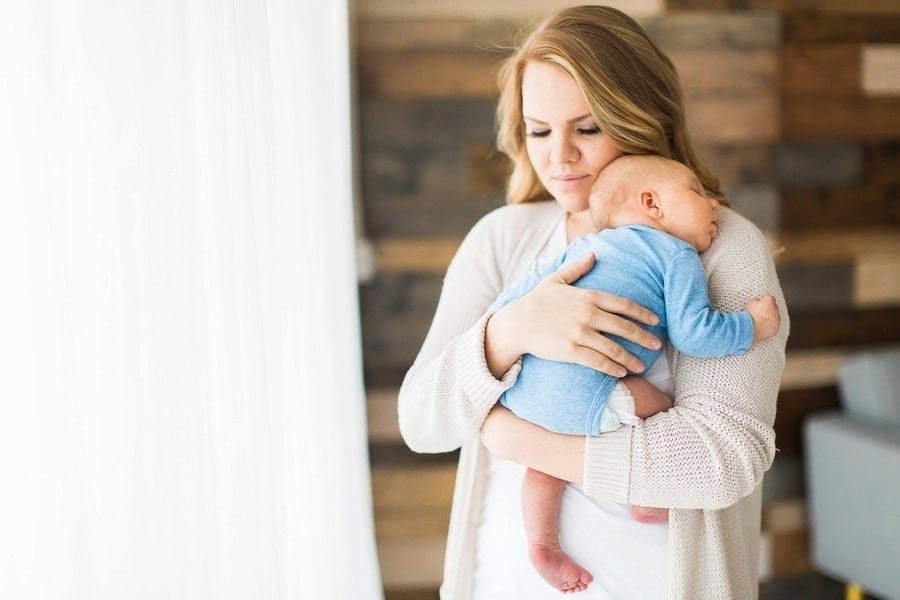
(694, 326)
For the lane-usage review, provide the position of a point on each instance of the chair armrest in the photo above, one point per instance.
(853, 478)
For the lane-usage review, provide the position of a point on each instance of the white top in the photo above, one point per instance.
(629, 560)
(704, 459)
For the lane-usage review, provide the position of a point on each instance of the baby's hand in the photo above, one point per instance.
(766, 319)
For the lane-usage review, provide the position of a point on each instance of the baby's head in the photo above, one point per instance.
(658, 192)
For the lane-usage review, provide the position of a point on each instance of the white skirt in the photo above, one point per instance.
(629, 560)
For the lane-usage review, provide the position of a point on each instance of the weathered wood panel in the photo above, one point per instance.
(435, 123)
(802, 247)
(812, 329)
(821, 117)
(793, 407)
(401, 10)
(818, 164)
(876, 8)
(740, 30)
(868, 206)
(813, 27)
(881, 70)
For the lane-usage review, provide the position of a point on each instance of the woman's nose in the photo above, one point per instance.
(563, 150)
(715, 203)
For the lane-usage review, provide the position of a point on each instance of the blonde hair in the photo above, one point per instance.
(631, 86)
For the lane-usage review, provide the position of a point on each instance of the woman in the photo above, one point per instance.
(586, 86)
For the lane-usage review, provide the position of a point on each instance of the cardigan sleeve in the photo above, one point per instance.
(447, 393)
(713, 447)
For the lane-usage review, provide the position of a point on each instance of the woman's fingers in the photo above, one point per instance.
(624, 307)
(570, 272)
(610, 324)
(598, 361)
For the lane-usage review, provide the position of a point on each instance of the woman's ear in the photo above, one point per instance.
(650, 205)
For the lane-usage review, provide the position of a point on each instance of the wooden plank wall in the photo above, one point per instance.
(795, 104)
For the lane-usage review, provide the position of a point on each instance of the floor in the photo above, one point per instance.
(807, 586)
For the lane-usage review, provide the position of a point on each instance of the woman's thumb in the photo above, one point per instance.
(571, 271)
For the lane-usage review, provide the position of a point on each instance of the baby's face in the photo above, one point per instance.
(688, 213)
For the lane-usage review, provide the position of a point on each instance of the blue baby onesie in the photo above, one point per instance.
(659, 272)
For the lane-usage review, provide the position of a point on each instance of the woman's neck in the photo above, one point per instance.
(579, 224)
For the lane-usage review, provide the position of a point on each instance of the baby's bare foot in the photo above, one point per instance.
(558, 569)
(647, 514)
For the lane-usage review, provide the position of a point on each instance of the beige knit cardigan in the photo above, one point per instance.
(704, 458)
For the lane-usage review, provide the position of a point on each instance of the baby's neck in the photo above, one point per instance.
(621, 218)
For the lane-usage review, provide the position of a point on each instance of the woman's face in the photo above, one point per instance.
(565, 146)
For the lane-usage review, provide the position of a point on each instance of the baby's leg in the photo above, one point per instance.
(541, 498)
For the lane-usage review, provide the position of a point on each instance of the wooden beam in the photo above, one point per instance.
(881, 70)
(404, 10)
(433, 254)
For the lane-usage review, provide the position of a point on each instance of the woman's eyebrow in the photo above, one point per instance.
(576, 119)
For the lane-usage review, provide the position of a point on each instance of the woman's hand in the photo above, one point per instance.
(557, 321)
(508, 437)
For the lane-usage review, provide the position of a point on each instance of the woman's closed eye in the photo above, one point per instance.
(539, 133)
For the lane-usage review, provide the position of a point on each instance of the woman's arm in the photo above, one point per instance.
(713, 447)
(468, 357)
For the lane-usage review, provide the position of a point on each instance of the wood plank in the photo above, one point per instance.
(401, 10)
(877, 280)
(828, 246)
(670, 32)
(406, 256)
(381, 411)
(473, 74)
(818, 164)
(809, 69)
(726, 68)
(817, 285)
(748, 116)
(816, 27)
(758, 202)
(806, 369)
(739, 163)
(438, 34)
(411, 563)
(794, 406)
(423, 123)
(804, 247)
(881, 69)
(871, 7)
(735, 29)
(428, 74)
(870, 205)
(820, 116)
(814, 329)
(399, 488)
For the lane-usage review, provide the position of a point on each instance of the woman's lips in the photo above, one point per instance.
(570, 180)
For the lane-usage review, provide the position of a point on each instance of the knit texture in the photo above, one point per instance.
(704, 459)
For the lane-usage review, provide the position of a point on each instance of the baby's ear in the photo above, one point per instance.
(649, 201)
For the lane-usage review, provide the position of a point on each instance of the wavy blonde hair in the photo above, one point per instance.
(631, 86)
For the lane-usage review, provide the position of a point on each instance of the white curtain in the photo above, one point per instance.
(182, 406)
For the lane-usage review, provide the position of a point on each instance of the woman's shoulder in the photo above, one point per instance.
(524, 215)
(738, 234)
(517, 222)
(739, 262)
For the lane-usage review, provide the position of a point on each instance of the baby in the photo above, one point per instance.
(657, 220)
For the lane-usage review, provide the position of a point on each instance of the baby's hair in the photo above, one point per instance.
(624, 177)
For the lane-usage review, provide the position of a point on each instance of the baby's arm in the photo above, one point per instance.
(766, 319)
(696, 328)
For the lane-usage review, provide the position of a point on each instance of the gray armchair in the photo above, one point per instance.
(853, 476)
